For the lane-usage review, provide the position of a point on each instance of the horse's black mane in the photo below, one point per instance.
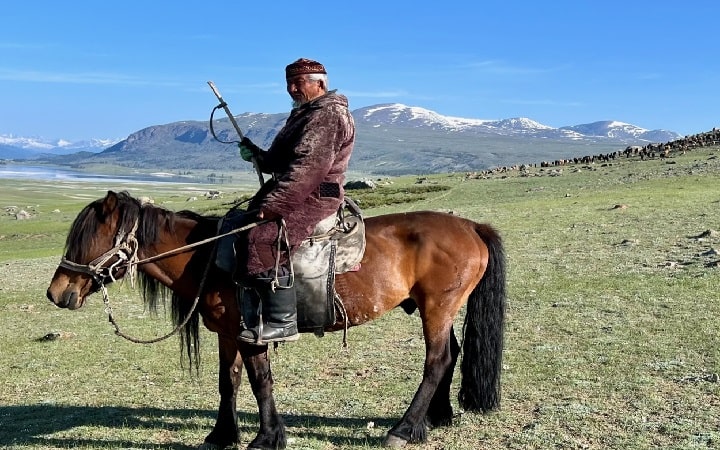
(151, 220)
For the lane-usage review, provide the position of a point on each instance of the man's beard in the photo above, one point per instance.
(297, 103)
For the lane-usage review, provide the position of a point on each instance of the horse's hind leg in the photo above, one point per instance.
(440, 412)
(438, 360)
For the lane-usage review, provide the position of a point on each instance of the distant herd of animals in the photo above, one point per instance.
(649, 151)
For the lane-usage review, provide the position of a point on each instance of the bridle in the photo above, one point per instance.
(125, 248)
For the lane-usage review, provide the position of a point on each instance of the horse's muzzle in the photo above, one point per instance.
(69, 298)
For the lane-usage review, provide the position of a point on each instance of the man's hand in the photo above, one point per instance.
(248, 150)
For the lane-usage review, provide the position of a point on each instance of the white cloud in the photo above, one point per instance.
(33, 76)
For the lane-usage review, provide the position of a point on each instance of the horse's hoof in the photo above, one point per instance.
(394, 441)
(208, 446)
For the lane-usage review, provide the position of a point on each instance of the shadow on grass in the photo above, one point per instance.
(37, 426)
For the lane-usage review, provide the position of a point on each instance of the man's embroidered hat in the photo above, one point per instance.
(303, 66)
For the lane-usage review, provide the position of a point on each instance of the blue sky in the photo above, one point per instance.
(104, 69)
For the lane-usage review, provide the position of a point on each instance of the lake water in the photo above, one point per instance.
(51, 173)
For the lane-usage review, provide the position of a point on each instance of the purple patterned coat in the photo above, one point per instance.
(308, 160)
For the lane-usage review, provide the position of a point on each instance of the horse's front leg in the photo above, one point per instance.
(271, 435)
(225, 432)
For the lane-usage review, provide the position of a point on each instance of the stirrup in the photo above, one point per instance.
(253, 339)
(255, 335)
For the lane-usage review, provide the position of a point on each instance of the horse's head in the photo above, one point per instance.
(101, 239)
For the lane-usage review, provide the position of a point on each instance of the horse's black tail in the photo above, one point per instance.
(483, 332)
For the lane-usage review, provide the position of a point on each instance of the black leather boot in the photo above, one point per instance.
(269, 315)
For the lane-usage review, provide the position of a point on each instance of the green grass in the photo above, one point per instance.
(611, 338)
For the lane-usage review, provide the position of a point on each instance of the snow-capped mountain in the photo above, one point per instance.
(621, 130)
(398, 114)
(391, 139)
(12, 146)
(412, 116)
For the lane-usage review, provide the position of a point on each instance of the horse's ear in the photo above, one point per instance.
(109, 203)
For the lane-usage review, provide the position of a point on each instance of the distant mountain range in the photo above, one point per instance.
(392, 139)
(16, 147)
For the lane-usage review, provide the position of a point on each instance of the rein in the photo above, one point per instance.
(126, 250)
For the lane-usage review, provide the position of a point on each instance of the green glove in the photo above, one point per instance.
(248, 150)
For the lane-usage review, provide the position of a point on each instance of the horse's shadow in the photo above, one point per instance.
(51, 426)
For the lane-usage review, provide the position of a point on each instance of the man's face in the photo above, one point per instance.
(302, 89)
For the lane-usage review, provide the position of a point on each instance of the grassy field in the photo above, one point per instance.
(612, 339)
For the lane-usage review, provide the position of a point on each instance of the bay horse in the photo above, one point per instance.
(431, 262)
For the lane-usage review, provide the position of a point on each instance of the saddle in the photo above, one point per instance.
(336, 246)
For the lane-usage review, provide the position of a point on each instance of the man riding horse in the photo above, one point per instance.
(430, 262)
(307, 159)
